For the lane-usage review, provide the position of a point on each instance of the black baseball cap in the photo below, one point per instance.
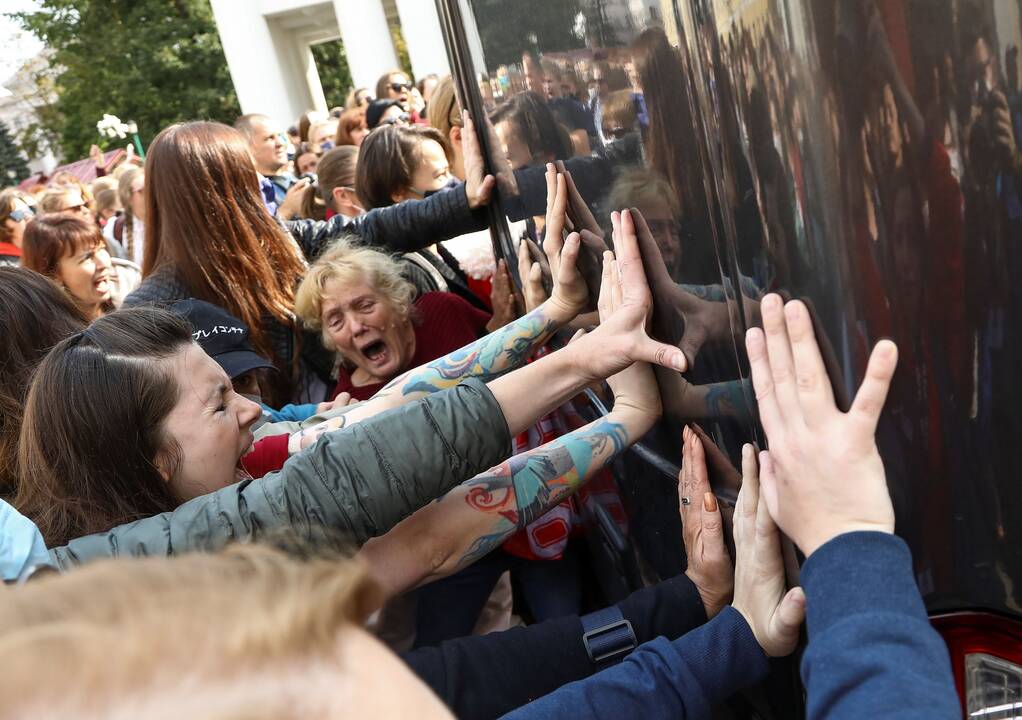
(376, 109)
(223, 336)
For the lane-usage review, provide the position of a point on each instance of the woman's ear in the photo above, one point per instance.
(400, 196)
(455, 135)
(339, 195)
(164, 465)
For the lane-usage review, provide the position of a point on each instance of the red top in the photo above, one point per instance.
(9, 250)
(267, 455)
(446, 322)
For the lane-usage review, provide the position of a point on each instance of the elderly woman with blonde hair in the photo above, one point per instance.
(368, 313)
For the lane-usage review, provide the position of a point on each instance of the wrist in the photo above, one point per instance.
(560, 312)
(814, 541)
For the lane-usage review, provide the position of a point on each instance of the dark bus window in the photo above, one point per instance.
(862, 155)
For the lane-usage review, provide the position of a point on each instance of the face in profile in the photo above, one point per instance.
(209, 429)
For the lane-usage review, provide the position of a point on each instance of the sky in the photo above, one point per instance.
(16, 45)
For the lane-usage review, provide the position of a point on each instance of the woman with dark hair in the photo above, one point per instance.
(141, 369)
(529, 132)
(406, 162)
(35, 315)
(72, 251)
(209, 236)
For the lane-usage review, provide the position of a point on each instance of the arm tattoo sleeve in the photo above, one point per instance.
(486, 358)
(525, 487)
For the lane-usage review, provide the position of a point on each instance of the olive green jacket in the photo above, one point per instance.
(360, 481)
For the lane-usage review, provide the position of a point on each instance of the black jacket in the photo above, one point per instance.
(485, 676)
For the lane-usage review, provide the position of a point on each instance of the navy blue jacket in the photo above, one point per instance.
(872, 652)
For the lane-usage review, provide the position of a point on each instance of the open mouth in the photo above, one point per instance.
(375, 352)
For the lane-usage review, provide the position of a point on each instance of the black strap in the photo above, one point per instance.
(607, 636)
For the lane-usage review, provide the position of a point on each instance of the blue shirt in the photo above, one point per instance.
(872, 652)
(21, 543)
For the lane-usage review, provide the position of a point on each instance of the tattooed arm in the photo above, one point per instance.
(480, 514)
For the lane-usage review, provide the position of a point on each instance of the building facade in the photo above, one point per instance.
(268, 47)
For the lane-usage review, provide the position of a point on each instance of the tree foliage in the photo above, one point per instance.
(13, 168)
(506, 29)
(152, 61)
(334, 73)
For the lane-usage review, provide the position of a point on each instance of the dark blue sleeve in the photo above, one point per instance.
(676, 679)
(872, 652)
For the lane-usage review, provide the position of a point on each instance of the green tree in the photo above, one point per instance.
(334, 73)
(507, 29)
(13, 168)
(152, 61)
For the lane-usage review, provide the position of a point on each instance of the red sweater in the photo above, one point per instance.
(447, 323)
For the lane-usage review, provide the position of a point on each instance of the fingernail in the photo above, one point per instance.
(679, 362)
(709, 502)
(747, 451)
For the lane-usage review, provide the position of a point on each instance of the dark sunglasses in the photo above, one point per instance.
(616, 133)
(19, 215)
(398, 87)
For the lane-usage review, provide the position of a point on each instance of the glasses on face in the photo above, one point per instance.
(398, 87)
(19, 215)
(401, 119)
(617, 133)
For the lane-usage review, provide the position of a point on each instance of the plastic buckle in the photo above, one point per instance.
(609, 641)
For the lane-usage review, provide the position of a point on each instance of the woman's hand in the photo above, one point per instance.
(679, 317)
(621, 338)
(570, 290)
(531, 273)
(292, 203)
(773, 614)
(502, 299)
(634, 387)
(709, 565)
(823, 475)
(478, 184)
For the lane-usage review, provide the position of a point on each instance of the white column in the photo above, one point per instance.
(366, 38)
(256, 70)
(420, 27)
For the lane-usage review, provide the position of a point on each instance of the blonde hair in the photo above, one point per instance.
(348, 262)
(443, 111)
(143, 637)
(641, 188)
(124, 193)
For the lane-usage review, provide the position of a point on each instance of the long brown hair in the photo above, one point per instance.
(673, 150)
(206, 219)
(35, 315)
(94, 426)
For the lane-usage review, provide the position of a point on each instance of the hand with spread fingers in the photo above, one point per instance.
(680, 317)
(774, 614)
(623, 331)
(823, 475)
(709, 565)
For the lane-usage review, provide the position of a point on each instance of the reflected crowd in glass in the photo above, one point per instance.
(862, 155)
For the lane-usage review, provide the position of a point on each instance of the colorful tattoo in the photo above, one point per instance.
(528, 485)
(485, 359)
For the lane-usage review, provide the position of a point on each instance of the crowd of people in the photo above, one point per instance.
(278, 431)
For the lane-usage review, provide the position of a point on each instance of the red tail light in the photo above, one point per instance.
(986, 656)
